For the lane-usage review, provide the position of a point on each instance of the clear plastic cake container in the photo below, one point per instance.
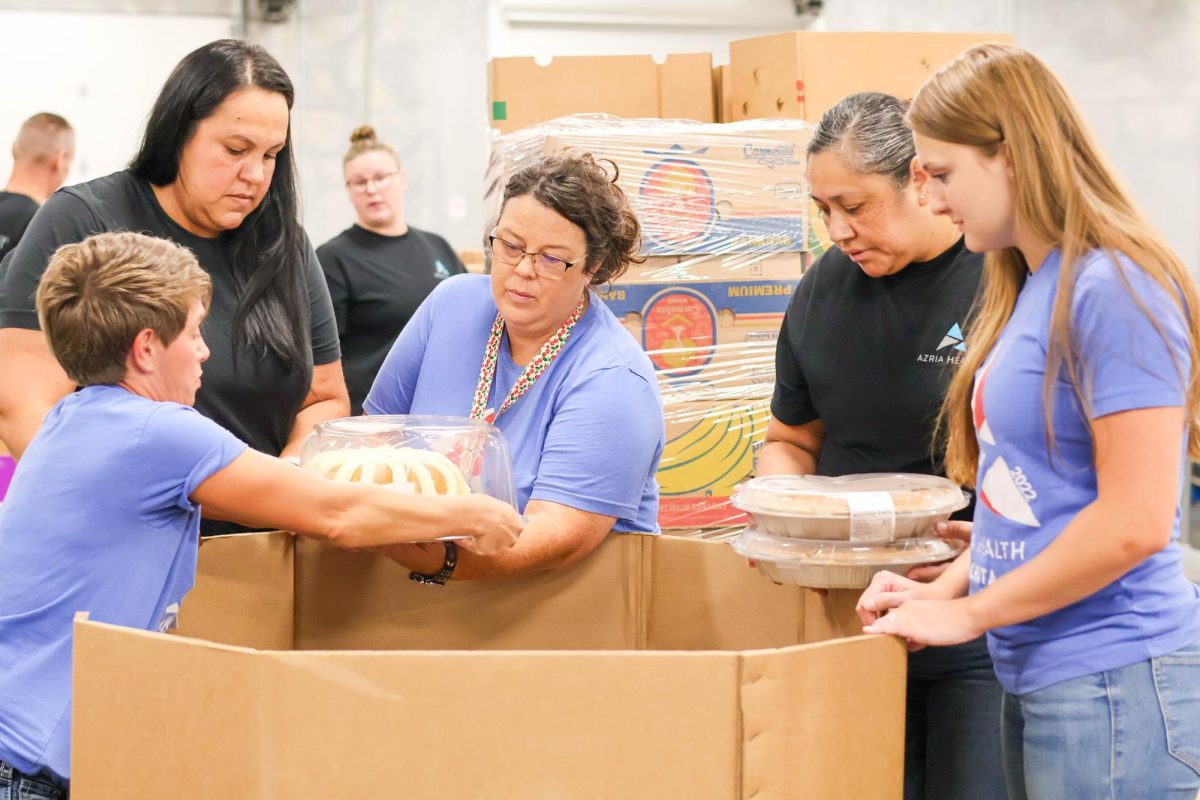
(410, 453)
(873, 507)
(838, 565)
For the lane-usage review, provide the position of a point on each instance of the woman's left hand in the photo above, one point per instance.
(924, 622)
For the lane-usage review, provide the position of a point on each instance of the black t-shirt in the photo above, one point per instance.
(376, 283)
(871, 358)
(15, 212)
(256, 395)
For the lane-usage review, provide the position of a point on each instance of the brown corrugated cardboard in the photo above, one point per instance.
(387, 611)
(474, 260)
(167, 716)
(802, 74)
(247, 578)
(522, 93)
(723, 93)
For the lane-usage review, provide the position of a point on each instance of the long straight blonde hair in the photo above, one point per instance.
(1001, 99)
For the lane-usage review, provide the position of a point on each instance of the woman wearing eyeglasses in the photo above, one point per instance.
(531, 349)
(380, 269)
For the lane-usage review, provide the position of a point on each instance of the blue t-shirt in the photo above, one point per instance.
(1027, 496)
(97, 519)
(589, 432)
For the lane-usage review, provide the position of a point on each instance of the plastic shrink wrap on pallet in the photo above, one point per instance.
(727, 231)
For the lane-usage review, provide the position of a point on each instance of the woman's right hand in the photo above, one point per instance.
(492, 524)
(954, 529)
(889, 584)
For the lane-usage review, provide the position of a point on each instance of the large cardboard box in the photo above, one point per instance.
(522, 92)
(657, 667)
(803, 74)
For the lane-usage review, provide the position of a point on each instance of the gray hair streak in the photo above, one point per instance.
(867, 130)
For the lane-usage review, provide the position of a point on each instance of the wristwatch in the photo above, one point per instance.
(440, 577)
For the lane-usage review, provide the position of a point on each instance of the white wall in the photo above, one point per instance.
(545, 28)
(100, 71)
(416, 71)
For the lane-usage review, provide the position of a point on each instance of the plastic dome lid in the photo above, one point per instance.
(818, 496)
(426, 454)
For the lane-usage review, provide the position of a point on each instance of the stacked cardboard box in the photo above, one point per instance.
(727, 221)
(723, 210)
(522, 92)
(802, 74)
(657, 667)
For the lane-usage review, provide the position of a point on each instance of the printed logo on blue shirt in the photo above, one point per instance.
(169, 619)
(439, 270)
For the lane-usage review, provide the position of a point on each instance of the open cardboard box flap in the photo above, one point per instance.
(659, 667)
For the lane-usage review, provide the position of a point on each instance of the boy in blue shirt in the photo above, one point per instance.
(104, 511)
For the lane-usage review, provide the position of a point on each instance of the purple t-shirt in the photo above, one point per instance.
(1027, 496)
(588, 434)
(99, 519)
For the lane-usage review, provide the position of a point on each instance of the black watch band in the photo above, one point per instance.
(440, 577)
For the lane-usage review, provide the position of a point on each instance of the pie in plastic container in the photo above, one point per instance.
(872, 507)
(411, 453)
(824, 564)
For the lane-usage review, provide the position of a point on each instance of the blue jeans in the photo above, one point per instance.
(1131, 732)
(952, 725)
(16, 785)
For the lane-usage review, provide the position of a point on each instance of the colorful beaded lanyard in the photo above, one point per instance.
(540, 363)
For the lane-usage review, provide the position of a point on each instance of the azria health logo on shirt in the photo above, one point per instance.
(949, 350)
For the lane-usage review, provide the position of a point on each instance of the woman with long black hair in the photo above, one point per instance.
(215, 174)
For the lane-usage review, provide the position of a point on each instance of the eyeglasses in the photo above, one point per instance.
(381, 182)
(549, 267)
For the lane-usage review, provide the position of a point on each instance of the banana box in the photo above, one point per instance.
(710, 449)
(707, 338)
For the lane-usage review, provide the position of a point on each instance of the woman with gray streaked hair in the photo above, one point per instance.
(868, 344)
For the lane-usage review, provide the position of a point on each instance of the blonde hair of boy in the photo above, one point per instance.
(98, 294)
(1002, 99)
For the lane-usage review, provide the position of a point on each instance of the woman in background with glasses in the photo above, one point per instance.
(532, 350)
(379, 269)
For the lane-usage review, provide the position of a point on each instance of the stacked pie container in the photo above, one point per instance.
(836, 533)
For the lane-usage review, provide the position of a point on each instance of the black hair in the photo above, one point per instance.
(869, 133)
(267, 251)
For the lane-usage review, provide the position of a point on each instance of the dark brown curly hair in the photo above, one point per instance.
(581, 190)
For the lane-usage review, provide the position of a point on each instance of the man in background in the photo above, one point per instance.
(42, 155)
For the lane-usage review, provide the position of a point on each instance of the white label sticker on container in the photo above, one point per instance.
(872, 516)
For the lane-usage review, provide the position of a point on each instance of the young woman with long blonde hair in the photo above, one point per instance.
(1072, 415)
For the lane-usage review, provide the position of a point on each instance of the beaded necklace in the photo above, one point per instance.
(534, 370)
